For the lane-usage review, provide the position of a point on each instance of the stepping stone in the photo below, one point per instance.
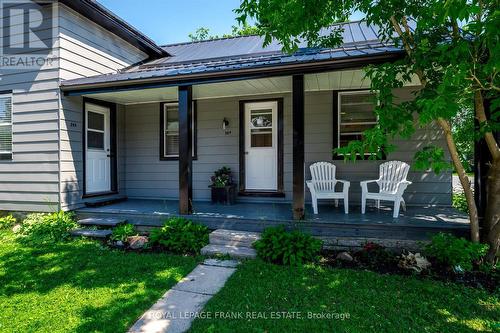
(207, 280)
(233, 237)
(233, 251)
(169, 313)
(91, 233)
(221, 263)
(101, 222)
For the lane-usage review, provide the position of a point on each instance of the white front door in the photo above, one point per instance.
(261, 146)
(97, 138)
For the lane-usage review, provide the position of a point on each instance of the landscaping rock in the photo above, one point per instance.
(137, 242)
(344, 256)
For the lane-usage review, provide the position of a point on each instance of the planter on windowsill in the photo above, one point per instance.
(224, 195)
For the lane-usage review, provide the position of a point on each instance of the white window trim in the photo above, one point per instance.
(165, 123)
(339, 107)
(8, 152)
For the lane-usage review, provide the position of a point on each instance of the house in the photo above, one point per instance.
(117, 115)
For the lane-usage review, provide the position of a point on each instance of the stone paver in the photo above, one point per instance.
(221, 263)
(170, 313)
(204, 279)
(232, 251)
(175, 311)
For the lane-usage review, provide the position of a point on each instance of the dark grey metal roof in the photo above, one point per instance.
(240, 53)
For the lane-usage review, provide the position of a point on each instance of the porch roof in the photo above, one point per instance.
(243, 54)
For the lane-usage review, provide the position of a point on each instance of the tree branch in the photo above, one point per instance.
(491, 142)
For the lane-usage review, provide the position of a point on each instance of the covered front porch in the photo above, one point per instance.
(417, 223)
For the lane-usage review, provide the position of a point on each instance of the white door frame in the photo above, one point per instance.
(268, 179)
(98, 161)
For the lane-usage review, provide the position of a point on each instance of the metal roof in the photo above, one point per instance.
(240, 53)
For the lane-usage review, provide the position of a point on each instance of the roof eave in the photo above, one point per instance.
(230, 75)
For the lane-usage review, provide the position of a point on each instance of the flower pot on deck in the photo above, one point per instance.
(224, 195)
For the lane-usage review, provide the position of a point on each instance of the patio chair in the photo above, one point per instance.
(322, 185)
(392, 183)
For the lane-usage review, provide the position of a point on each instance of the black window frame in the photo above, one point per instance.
(8, 156)
(164, 157)
(336, 122)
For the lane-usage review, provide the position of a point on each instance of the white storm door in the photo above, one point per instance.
(261, 146)
(98, 160)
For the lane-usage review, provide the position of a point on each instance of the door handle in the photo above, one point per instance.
(246, 153)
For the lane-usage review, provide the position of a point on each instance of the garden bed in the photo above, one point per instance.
(388, 264)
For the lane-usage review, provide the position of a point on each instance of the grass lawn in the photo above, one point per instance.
(375, 303)
(80, 286)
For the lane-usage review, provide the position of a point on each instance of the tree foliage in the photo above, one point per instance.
(451, 46)
(244, 29)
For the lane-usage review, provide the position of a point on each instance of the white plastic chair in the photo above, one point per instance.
(322, 185)
(392, 184)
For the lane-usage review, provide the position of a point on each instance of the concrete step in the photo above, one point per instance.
(105, 200)
(101, 234)
(233, 237)
(236, 252)
(101, 222)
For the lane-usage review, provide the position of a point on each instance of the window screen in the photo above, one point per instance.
(5, 126)
(171, 130)
(356, 115)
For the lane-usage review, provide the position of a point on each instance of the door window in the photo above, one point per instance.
(261, 128)
(95, 130)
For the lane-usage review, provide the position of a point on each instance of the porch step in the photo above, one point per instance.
(101, 222)
(104, 200)
(233, 237)
(101, 234)
(232, 251)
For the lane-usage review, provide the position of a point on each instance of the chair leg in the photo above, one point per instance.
(397, 204)
(378, 204)
(315, 205)
(403, 204)
(336, 203)
(346, 205)
(363, 204)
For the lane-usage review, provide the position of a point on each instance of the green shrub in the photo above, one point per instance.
(48, 227)
(287, 248)
(460, 202)
(123, 231)
(7, 221)
(453, 251)
(180, 235)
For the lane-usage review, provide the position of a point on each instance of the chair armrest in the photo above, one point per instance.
(364, 184)
(401, 186)
(345, 184)
(310, 185)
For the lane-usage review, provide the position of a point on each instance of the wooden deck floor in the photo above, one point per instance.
(416, 223)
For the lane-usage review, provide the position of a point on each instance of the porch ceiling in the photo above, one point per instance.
(337, 80)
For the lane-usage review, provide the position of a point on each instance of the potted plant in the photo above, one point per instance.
(223, 187)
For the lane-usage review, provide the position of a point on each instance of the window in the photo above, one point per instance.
(6, 126)
(354, 115)
(169, 145)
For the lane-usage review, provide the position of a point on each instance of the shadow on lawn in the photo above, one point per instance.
(136, 280)
(375, 303)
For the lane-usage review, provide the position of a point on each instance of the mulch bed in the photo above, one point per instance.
(388, 264)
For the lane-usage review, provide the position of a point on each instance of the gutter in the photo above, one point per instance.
(229, 75)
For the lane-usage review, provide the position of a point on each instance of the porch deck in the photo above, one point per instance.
(417, 223)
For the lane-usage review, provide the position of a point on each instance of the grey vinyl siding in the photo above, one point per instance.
(86, 49)
(30, 181)
(148, 177)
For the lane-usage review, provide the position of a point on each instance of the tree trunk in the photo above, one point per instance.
(464, 180)
(492, 216)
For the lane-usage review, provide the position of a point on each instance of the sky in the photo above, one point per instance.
(171, 21)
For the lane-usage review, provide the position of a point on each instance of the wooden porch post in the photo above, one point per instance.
(185, 150)
(298, 145)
